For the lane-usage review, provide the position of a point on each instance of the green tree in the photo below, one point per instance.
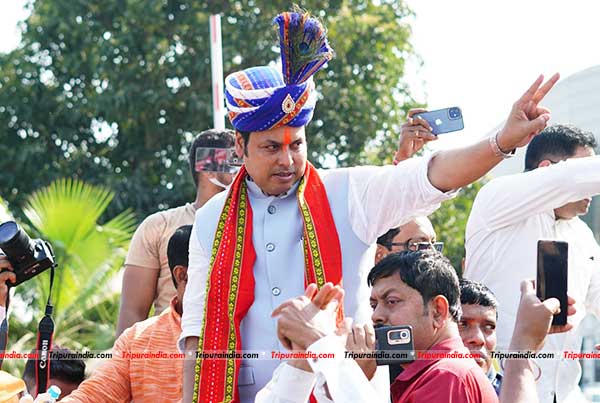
(111, 92)
(450, 222)
(88, 255)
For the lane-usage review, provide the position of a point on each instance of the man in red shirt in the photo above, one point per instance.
(421, 289)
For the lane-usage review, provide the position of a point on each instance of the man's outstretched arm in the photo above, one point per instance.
(452, 169)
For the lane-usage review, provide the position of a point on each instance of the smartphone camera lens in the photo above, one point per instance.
(400, 335)
(454, 113)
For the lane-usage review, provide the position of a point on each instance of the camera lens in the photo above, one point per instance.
(399, 335)
(454, 113)
(8, 230)
(14, 242)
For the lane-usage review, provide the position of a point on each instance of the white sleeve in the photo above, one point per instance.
(288, 385)
(510, 199)
(592, 300)
(592, 297)
(195, 290)
(346, 383)
(2, 313)
(380, 198)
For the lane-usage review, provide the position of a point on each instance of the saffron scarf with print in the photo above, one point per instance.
(230, 285)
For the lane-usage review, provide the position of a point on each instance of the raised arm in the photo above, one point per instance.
(511, 199)
(453, 169)
(532, 325)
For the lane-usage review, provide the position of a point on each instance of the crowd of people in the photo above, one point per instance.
(282, 256)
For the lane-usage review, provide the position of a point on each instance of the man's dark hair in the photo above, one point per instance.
(178, 249)
(246, 138)
(427, 271)
(71, 371)
(474, 293)
(213, 138)
(557, 142)
(387, 238)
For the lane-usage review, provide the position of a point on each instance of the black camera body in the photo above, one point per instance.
(28, 257)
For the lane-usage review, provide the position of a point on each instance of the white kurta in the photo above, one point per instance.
(365, 203)
(510, 214)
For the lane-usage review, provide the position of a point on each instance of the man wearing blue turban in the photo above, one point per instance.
(283, 225)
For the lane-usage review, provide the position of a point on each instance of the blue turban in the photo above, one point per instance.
(263, 98)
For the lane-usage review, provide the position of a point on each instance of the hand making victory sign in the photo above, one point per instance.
(527, 118)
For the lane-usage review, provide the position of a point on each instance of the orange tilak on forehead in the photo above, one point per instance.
(287, 137)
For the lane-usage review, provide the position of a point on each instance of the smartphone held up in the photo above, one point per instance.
(394, 345)
(443, 120)
(552, 275)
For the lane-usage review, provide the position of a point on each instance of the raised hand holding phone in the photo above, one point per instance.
(443, 120)
(552, 276)
(415, 133)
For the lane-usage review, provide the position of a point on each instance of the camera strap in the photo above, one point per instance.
(4, 330)
(44, 343)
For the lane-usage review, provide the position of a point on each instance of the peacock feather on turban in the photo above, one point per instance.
(264, 98)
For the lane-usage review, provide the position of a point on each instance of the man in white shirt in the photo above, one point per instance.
(244, 271)
(510, 214)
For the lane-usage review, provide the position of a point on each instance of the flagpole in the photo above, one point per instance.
(216, 64)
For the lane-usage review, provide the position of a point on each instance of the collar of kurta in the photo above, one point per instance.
(255, 191)
(230, 286)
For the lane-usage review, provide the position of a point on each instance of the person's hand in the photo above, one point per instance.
(301, 322)
(6, 275)
(415, 133)
(534, 319)
(361, 339)
(527, 118)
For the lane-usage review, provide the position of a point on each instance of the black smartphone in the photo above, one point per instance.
(394, 345)
(443, 120)
(552, 275)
